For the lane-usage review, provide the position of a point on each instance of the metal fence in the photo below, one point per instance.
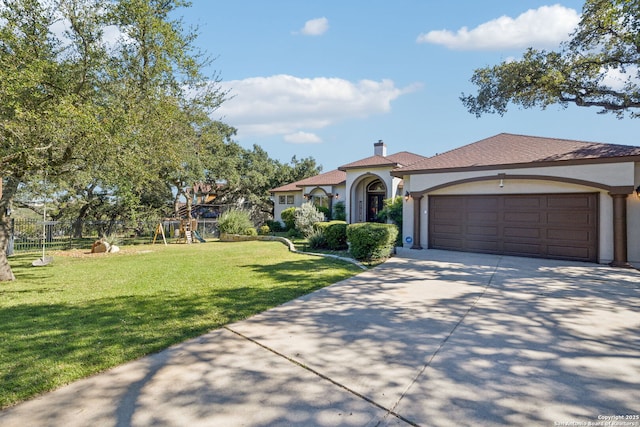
(29, 235)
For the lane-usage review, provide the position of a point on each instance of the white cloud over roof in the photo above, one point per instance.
(544, 27)
(286, 105)
(315, 27)
(302, 138)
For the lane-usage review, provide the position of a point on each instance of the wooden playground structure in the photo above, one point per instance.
(186, 233)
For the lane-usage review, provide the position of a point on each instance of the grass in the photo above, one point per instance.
(85, 314)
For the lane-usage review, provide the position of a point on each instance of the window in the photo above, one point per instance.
(319, 198)
(281, 200)
(376, 187)
(290, 200)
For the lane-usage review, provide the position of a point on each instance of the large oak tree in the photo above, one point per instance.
(70, 102)
(598, 67)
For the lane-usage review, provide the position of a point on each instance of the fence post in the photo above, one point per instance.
(11, 231)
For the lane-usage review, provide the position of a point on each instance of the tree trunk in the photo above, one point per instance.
(176, 204)
(5, 202)
(187, 195)
(79, 221)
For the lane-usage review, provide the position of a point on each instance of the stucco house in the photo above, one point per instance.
(507, 194)
(369, 182)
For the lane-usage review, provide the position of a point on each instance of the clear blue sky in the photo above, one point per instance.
(329, 78)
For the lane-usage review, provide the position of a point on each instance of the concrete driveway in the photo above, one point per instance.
(429, 338)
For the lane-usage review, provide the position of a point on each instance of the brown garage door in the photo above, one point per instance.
(559, 226)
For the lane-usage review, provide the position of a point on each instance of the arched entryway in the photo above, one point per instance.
(376, 192)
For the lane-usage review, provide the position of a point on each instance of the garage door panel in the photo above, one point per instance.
(443, 242)
(561, 226)
(482, 216)
(521, 217)
(569, 235)
(479, 230)
(484, 203)
(569, 202)
(570, 252)
(445, 204)
(482, 245)
(523, 202)
(532, 249)
(575, 218)
(525, 232)
(450, 229)
(447, 215)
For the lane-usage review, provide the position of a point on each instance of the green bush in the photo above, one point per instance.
(307, 216)
(317, 239)
(393, 211)
(325, 211)
(289, 218)
(339, 211)
(264, 230)
(293, 233)
(275, 226)
(335, 234)
(236, 221)
(370, 241)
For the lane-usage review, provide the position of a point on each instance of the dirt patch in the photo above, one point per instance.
(86, 253)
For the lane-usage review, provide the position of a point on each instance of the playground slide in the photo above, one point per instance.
(198, 236)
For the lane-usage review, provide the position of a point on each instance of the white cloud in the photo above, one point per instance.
(284, 104)
(544, 27)
(618, 80)
(315, 27)
(302, 138)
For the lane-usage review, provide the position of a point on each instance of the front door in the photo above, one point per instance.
(375, 203)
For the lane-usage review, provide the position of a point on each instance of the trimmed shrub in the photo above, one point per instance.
(250, 231)
(370, 241)
(289, 218)
(236, 221)
(275, 226)
(264, 230)
(335, 234)
(307, 216)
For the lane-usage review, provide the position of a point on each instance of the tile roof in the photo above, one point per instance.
(508, 149)
(334, 177)
(403, 158)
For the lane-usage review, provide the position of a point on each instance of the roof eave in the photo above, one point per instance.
(382, 165)
(399, 173)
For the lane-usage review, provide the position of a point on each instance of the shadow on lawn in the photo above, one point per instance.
(45, 345)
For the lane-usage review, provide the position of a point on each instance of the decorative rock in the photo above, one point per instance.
(99, 247)
(114, 249)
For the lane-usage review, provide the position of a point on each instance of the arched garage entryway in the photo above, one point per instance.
(559, 226)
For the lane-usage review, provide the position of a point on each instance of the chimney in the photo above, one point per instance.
(379, 148)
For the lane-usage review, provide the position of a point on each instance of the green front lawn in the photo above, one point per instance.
(86, 313)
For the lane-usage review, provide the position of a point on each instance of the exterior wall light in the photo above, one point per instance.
(336, 196)
(407, 196)
(638, 191)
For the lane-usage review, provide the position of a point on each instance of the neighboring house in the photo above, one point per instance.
(507, 194)
(362, 186)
